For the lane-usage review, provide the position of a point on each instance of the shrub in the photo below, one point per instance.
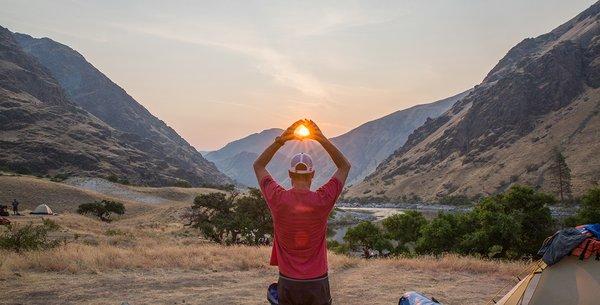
(404, 227)
(115, 232)
(366, 236)
(102, 209)
(510, 225)
(116, 179)
(336, 247)
(28, 237)
(182, 183)
(589, 212)
(59, 177)
(442, 234)
(231, 219)
(223, 187)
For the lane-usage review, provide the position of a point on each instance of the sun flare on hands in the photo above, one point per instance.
(302, 132)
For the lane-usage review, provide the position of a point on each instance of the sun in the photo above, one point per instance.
(301, 131)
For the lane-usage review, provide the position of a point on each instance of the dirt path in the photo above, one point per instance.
(377, 283)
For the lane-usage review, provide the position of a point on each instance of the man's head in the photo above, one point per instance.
(301, 170)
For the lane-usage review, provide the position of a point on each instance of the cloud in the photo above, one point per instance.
(268, 60)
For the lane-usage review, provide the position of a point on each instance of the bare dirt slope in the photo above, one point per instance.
(144, 205)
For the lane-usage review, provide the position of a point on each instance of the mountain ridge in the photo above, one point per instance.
(93, 91)
(365, 146)
(459, 152)
(65, 138)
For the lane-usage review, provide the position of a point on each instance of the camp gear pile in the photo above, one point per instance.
(415, 298)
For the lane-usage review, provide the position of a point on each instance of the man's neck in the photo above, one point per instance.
(301, 185)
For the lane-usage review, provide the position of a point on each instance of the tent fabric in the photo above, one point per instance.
(514, 296)
(42, 209)
(569, 282)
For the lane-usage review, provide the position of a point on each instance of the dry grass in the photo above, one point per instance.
(457, 263)
(80, 258)
(125, 252)
(149, 256)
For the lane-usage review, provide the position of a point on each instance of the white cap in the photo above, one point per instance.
(301, 159)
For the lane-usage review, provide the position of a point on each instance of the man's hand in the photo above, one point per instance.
(343, 165)
(260, 164)
(315, 132)
(288, 134)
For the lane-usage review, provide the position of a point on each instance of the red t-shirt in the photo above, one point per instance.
(300, 222)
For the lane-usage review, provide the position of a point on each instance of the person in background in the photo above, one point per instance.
(15, 206)
(300, 219)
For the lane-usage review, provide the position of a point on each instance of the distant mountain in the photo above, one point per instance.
(235, 159)
(543, 95)
(365, 146)
(44, 132)
(93, 91)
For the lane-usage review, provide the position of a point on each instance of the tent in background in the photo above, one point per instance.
(42, 209)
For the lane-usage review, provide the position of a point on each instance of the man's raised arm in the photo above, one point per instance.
(260, 165)
(340, 161)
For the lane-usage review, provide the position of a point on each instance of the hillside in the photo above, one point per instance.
(542, 96)
(365, 146)
(93, 91)
(64, 138)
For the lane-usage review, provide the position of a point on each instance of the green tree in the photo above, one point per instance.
(511, 224)
(336, 247)
(531, 211)
(589, 212)
(232, 219)
(365, 236)
(252, 218)
(560, 176)
(442, 234)
(102, 209)
(496, 234)
(405, 227)
(212, 214)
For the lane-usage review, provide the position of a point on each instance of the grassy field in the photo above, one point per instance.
(149, 257)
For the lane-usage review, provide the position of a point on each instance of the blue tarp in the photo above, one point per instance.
(415, 298)
(594, 229)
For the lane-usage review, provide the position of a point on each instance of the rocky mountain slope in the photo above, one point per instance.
(543, 95)
(365, 146)
(93, 91)
(44, 132)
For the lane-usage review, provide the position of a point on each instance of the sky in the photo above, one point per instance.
(217, 71)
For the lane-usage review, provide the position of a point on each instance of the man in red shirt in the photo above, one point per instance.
(300, 219)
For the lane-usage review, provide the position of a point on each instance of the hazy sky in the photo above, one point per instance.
(217, 71)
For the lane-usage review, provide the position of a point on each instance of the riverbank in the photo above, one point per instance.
(428, 209)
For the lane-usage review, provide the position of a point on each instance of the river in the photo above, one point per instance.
(349, 215)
